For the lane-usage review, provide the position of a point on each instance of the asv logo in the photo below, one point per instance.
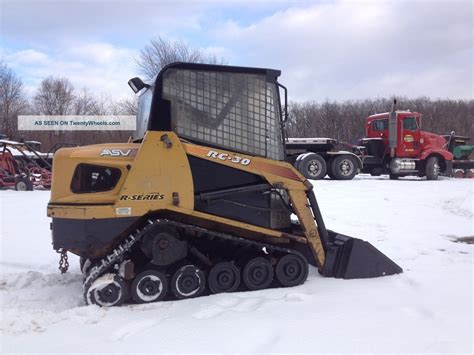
(115, 153)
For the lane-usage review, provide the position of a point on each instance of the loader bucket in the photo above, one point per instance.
(347, 257)
(352, 258)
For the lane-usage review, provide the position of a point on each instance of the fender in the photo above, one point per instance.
(444, 153)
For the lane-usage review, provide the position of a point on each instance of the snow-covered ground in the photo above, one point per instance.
(427, 309)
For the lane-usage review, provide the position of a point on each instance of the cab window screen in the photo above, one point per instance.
(94, 178)
(235, 111)
(409, 123)
(380, 125)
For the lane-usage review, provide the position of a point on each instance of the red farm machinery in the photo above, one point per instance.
(23, 167)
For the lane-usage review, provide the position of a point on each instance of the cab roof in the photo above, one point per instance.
(399, 112)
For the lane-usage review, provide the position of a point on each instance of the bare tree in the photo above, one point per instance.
(345, 120)
(85, 103)
(126, 106)
(55, 96)
(12, 100)
(160, 52)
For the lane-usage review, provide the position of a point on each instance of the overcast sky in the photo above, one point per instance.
(334, 50)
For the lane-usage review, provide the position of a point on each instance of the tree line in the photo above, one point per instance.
(57, 96)
(341, 120)
(345, 120)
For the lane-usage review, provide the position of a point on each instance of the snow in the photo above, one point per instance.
(427, 309)
(20, 149)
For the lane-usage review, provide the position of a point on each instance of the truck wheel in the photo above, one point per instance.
(330, 173)
(292, 160)
(313, 166)
(393, 177)
(23, 184)
(432, 168)
(343, 167)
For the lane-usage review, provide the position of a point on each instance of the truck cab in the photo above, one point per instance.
(396, 145)
(408, 129)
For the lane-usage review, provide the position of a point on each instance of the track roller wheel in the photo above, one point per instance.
(258, 274)
(107, 291)
(291, 270)
(224, 277)
(188, 281)
(149, 286)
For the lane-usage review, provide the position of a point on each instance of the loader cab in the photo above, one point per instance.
(232, 108)
(407, 135)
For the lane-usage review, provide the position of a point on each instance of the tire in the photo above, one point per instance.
(329, 171)
(187, 282)
(258, 274)
(344, 167)
(291, 270)
(393, 177)
(149, 286)
(432, 168)
(23, 184)
(224, 277)
(292, 159)
(312, 166)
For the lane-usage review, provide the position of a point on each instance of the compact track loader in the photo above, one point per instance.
(200, 200)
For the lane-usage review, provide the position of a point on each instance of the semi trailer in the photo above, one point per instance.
(317, 157)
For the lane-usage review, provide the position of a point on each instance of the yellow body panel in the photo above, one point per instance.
(156, 176)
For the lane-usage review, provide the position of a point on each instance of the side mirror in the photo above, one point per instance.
(137, 84)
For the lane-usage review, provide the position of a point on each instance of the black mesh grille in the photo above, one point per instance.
(235, 111)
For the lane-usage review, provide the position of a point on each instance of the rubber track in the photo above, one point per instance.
(117, 253)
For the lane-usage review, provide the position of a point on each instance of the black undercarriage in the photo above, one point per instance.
(185, 261)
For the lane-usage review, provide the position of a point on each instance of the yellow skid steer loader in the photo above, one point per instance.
(200, 200)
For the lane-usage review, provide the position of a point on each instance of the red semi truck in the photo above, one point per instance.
(396, 145)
